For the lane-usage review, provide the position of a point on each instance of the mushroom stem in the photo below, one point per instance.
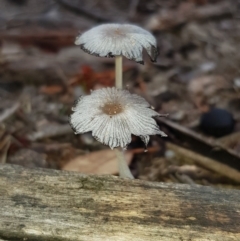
(118, 73)
(124, 170)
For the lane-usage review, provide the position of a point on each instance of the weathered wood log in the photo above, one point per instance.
(43, 204)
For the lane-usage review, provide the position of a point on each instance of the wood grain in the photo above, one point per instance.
(43, 204)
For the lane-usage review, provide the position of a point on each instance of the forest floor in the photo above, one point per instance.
(42, 72)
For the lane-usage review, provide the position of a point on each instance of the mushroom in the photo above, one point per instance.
(117, 40)
(116, 114)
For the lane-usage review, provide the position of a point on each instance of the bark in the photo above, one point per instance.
(43, 204)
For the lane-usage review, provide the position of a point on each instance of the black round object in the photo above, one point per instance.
(217, 122)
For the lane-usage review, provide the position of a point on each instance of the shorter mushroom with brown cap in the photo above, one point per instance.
(113, 115)
(117, 40)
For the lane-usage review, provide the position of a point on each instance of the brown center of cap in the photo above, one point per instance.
(118, 32)
(112, 108)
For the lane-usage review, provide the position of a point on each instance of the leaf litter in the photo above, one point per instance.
(197, 69)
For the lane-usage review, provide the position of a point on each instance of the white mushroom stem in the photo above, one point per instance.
(118, 72)
(124, 170)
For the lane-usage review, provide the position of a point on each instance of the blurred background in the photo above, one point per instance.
(196, 80)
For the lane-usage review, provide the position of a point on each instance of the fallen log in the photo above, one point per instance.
(44, 204)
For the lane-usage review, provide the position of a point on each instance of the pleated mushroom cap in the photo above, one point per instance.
(113, 115)
(110, 40)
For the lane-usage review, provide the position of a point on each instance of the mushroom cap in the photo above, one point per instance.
(113, 115)
(110, 40)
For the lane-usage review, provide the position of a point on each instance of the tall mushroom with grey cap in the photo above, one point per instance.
(114, 114)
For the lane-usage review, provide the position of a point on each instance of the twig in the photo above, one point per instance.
(50, 131)
(185, 179)
(81, 10)
(230, 139)
(9, 112)
(206, 162)
(5, 144)
(149, 150)
(208, 146)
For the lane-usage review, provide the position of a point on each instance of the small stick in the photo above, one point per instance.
(118, 72)
(210, 164)
(8, 112)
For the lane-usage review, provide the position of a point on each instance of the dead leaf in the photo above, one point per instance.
(88, 78)
(48, 40)
(99, 162)
(186, 12)
(203, 89)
